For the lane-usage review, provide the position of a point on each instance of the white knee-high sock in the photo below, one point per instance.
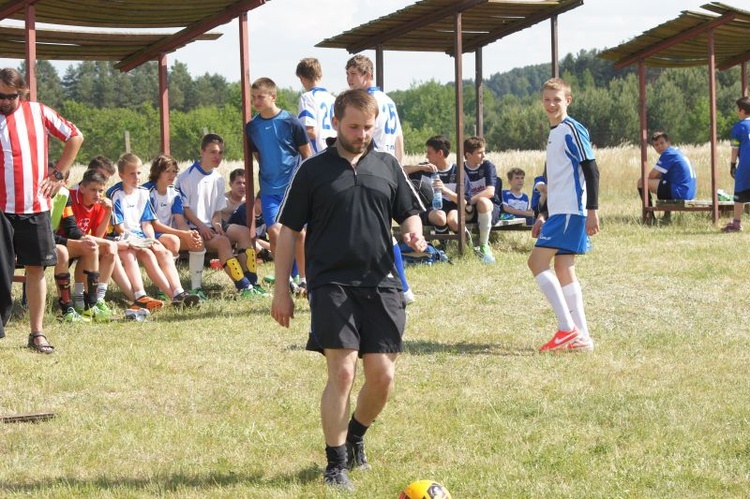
(484, 221)
(574, 299)
(195, 264)
(550, 286)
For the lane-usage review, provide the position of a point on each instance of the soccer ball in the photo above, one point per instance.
(425, 489)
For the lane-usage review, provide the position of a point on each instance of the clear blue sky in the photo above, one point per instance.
(284, 31)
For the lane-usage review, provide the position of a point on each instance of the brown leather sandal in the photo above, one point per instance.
(46, 349)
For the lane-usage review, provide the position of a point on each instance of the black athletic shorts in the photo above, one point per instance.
(664, 191)
(370, 320)
(742, 197)
(33, 240)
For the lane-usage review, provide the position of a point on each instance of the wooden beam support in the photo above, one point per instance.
(644, 136)
(246, 116)
(479, 89)
(188, 34)
(379, 68)
(712, 120)
(460, 189)
(435, 16)
(13, 7)
(742, 58)
(669, 42)
(31, 50)
(164, 103)
(554, 54)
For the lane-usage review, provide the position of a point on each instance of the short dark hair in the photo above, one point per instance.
(102, 162)
(93, 177)
(515, 171)
(265, 84)
(210, 138)
(440, 143)
(358, 99)
(237, 172)
(13, 78)
(744, 104)
(658, 135)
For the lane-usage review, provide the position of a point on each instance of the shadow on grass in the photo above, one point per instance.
(161, 484)
(422, 347)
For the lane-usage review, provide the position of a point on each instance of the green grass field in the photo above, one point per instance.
(221, 402)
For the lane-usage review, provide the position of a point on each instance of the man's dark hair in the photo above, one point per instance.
(237, 172)
(210, 138)
(104, 163)
(161, 163)
(13, 78)
(658, 135)
(358, 99)
(472, 144)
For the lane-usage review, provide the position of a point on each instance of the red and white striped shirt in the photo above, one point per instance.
(24, 150)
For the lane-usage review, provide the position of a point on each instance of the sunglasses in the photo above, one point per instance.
(9, 96)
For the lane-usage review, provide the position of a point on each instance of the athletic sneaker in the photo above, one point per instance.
(269, 279)
(301, 290)
(356, 457)
(199, 293)
(560, 340)
(732, 226)
(94, 314)
(184, 299)
(486, 253)
(254, 292)
(71, 316)
(338, 479)
(148, 303)
(409, 296)
(103, 311)
(580, 344)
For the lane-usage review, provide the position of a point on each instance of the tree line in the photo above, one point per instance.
(105, 103)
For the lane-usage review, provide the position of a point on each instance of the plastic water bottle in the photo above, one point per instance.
(437, 194)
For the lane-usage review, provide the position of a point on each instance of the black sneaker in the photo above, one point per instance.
(185, 299)
(355, 456)
(337, 479)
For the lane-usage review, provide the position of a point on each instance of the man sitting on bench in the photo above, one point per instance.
(672, 177)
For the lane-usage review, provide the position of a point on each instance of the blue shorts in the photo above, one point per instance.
(566, 233)
(270, 204)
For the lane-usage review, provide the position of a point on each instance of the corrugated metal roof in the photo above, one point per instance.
(428, 25)
(731, 40)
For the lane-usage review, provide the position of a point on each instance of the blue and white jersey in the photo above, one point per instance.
(277, 141)
(316, 110)
(201, 191)
(478, 179)
(166, 205)
(676, 169)
(131, 210)
(568, 145)
(519, 202)
(387, 126)
(740, 139)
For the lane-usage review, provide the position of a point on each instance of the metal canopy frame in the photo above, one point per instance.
(692, 39)
(453, 27)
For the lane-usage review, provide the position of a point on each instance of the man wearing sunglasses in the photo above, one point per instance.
(25, 191)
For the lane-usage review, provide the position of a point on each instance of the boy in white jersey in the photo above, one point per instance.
(133, 214)
(315, 105)
(480, 180)
(571, 216)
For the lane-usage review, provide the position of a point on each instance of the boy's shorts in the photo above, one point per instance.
(32, 239)
(497, 210)
(742, 196)
(369, 319)
(664, 191)
(270, 204)
(566, 233)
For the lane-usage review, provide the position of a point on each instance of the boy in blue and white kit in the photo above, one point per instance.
(279, 143)
(514, 201)
(480, 182)
(571, 216)
(740, 163)
(315, 105)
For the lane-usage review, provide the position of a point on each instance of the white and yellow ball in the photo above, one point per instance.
(425, 489)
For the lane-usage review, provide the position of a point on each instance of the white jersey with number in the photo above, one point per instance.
(387, 126)
(316, 110)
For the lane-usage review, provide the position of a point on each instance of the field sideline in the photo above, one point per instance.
(221, 402)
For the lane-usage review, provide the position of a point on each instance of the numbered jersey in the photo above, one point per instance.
(388, 126)
(316, 110)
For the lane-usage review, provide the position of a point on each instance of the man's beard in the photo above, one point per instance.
(357, 147)
(8, 109)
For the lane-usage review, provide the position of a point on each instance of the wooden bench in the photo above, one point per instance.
(689, 205)
(512, 224)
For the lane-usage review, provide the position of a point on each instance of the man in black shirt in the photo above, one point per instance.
(347, 196)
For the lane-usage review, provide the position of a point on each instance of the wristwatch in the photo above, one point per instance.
(58, 176)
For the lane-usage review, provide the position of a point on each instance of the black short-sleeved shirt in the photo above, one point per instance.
(348, 213)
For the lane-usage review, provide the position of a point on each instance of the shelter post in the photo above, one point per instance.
(743, 77)
(379, 69)
(31, 49)
(553, 40)
(458, 56)
(479, 84)
(248, 155)
(164, 103)
(712, 110)
(644, 135)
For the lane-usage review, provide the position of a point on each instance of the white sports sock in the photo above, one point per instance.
(484, 221)
(78, 301)
(550, 286)
(178, 291)
(195, 263)
(139, 294)
(574, 299)
(101, 290)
